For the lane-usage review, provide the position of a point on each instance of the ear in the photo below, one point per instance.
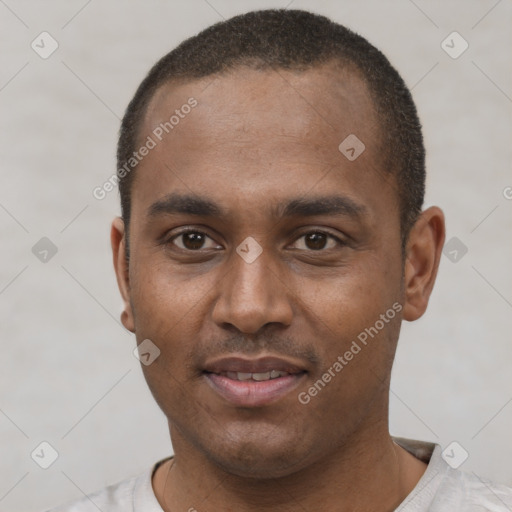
(423, 253)
(121, 265)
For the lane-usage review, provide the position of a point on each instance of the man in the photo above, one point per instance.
(272, 240)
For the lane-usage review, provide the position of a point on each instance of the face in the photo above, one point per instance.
(266, 267)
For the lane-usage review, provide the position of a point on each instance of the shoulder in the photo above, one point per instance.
(442, 488)
(113, 498)
(472, 493)
(118, 494)
(135, 493)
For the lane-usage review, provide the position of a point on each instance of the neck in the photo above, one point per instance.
(369, 472)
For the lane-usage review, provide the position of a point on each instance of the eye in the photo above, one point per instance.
(318, 240)
(192, 240)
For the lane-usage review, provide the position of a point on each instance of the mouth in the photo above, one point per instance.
(256, 377)
(253, 382)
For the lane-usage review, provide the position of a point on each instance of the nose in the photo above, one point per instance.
(252, 295)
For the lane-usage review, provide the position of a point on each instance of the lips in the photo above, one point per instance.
(253, 382)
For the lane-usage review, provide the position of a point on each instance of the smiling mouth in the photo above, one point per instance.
(253, 382)
(256, 377)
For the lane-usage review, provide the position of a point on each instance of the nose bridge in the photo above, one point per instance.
(251, 294)
(251, 280)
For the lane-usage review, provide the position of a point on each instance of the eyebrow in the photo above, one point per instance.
(192, 204)
(189, 204)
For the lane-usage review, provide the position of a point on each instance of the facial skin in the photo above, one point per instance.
(256, 141)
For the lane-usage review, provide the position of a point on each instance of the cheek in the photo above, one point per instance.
(353, 298)
(168, 311)
(163, 299)
(356, 325)
(356, 319)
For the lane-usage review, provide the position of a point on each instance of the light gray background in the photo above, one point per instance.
(68, 375)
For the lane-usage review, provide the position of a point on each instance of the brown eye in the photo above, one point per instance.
(318, 240)
(192, 241)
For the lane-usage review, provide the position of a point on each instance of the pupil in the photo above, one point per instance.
(317, 240)
(193, 240)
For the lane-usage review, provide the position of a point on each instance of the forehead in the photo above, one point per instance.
(307, 104)
(254, 133)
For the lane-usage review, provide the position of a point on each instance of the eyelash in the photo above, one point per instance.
(338, 241)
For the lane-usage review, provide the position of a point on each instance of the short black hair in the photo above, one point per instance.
(293, 40)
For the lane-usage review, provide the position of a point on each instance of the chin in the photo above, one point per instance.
(256, 465)
(261, 457)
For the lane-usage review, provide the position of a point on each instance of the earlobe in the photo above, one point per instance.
(423, 253)
(121, 266)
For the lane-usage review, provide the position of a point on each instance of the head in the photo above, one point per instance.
(250, 229)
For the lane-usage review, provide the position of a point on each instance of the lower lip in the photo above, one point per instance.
(250, 393)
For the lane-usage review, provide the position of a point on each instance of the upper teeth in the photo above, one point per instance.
(274, 374)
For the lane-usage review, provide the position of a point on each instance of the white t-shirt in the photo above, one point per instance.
(440, 489)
